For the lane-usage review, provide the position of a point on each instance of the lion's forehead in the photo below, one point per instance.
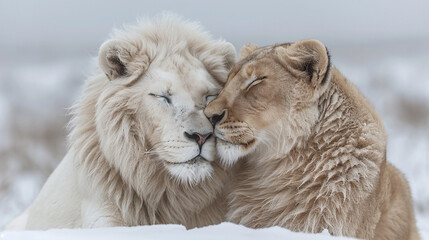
(192, 83)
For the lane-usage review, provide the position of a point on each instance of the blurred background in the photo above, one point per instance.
(47, 46)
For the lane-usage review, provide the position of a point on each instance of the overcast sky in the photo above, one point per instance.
(27, 24)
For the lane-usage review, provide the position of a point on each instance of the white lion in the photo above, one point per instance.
(141, 150)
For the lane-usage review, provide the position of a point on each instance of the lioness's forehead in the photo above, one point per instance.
(257, 60)
(246, 67)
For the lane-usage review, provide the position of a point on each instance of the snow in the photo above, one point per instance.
(397, 86)
(34, 98)
(224, 231)
(46, 54)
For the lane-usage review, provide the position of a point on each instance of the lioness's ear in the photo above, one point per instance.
(121, 59)
(247, 49)
(310, 57)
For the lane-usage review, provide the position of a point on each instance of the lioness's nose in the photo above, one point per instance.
(199, 138)
(215, 118)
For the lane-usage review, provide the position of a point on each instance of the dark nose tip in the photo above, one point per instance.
(216, 118)
(199, 138)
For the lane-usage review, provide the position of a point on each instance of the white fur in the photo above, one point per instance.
(127, 162)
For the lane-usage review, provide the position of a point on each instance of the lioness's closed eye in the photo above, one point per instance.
(312, 149)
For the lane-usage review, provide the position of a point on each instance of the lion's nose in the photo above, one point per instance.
(214, 119)
(199, 138)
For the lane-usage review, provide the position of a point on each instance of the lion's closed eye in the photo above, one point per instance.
(210, 98)
(163, 97)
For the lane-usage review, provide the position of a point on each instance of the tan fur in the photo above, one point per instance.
(310, 149)
(129, 162)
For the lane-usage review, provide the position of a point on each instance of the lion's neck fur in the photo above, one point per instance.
(136, 184)
(313, 182)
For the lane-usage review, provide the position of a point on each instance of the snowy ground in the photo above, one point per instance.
(224, 231)
(34, 95)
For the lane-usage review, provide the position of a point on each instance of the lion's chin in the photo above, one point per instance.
(193, 171)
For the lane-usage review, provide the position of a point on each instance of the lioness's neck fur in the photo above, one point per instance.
(335, 178)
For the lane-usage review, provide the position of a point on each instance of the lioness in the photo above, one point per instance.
(312, 149)
(141, 150)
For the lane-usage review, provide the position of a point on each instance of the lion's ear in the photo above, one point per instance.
(218, 58)
(310, 57)
(121, 59)
(247, 49)
(227, 50)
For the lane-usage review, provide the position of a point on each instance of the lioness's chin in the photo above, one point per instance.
(229, 153)
(191, 172)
